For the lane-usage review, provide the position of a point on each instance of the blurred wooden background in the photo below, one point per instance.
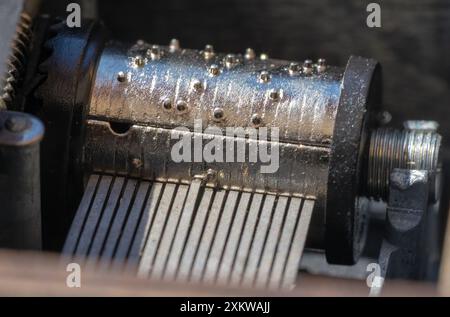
(41, 274)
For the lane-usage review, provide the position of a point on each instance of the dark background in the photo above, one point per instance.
(413, 44)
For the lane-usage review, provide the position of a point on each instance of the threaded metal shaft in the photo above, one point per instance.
(407, 149)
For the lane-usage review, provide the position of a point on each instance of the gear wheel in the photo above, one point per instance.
(68, 61)
(16, 61)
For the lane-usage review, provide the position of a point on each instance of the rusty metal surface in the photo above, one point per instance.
(236, 238)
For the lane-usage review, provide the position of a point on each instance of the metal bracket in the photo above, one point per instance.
(402, 248)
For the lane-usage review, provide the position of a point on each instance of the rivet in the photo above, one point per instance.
(154, 52)
(210, 174)
(182, 106)
(294, 69)
(208, 52)
(137, 163)
(264, 76)
(139, 61)
(250, 54)
(256, 120)
(174, 45)
(264, 56)
(218, 114)
(321, 65)
(274, 95)
(230, 61)
(308, 67)
(214, 70)
(121, 77)
(197, 85)
(167, 104)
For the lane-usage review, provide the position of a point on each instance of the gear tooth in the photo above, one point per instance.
(45, 65)
(8, 89)
(16, 59)
(13, 73)
(20, 43)
(14, 64)
(6, 98)
(13, 69)
(18, 56)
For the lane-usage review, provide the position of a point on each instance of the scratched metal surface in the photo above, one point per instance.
(134, 83)
(189, 232)
(412, 45)
(145, 152)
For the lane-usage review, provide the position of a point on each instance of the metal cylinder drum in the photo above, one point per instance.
(112, 108)
(142, 93)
